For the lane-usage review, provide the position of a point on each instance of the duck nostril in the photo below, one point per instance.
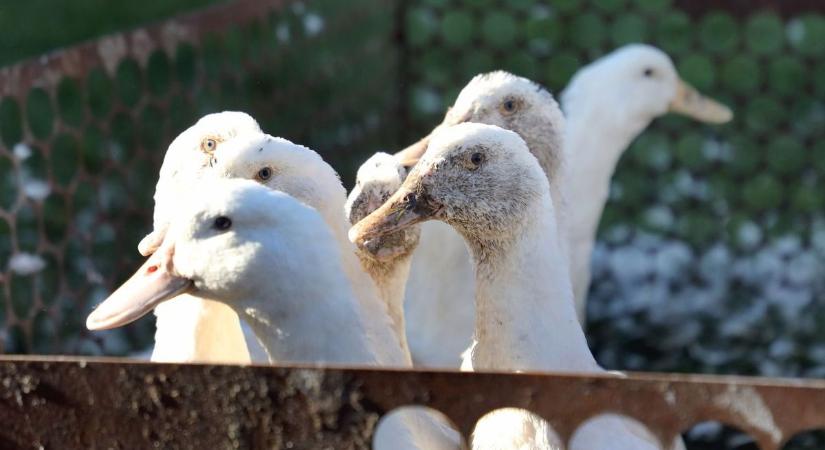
(410, 201)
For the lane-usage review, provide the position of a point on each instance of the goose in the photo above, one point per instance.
(608, 103)
(303, 174)
(276, 263)
(439, 328)
(190, 328)
(483, 181)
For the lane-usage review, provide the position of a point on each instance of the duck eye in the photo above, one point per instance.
(477, 158)
(264, 174)
(509, 105)
(209, 145)
(222, 223)
(648, 72)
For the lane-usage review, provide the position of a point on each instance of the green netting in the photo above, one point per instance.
(713, 244)
(79, 153)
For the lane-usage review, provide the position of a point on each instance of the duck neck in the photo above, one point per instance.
(313, 317)
(595, 141)
(390, 278)
(525, 318)
(385, 297)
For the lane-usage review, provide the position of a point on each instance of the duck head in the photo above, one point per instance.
(481, 179)
(188, 155)
(378, 178)
(232, 242)
(510, 102)
(639, 83)
(284, 166)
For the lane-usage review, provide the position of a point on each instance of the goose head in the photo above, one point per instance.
(638, 83)
(284, 166)
(188, 155)
(377, 179)
(236, 242)
(510, 102)
(481, 179)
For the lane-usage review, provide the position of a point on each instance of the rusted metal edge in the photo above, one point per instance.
(47, 70)
(127, 398)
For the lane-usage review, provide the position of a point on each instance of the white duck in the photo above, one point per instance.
(275, 262)
(607, 104)
(387, 259)
(189, 328)
(303, 174)
(483, 181)
(439, 328)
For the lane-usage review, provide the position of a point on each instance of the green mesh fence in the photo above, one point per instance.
(83, 131)
(712, 246)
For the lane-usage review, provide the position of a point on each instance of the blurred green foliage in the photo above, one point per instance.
(33, 27)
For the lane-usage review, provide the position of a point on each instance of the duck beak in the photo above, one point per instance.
(405, 208)
(151, 242)
(691, 103)
(152, 284)
(410, 155)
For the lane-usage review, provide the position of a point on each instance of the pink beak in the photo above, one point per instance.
(152, 284)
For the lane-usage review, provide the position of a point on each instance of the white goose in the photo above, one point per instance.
(440, 324)
(189, 328)
(483, 181)
(303, 174)
(608, 103)
(275, 262)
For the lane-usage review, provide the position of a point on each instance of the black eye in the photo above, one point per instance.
(264, 174)
(648, 72)
(222, 223)
(477, 158)
(509, 105)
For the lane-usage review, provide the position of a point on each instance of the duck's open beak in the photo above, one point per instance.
(405, 208)
(152, 284)
(689, 102)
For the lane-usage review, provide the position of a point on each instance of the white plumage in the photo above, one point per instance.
(190, 328)
(483, 181)
(276, 263)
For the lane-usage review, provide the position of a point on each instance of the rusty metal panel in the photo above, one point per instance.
(98, 403)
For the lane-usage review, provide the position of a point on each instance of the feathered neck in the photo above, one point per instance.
(385, 300)
(312, 315)
(595, 138)
(525, 318)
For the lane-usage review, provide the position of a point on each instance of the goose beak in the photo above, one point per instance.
(152, 284)
(405, 208)
(691, 103)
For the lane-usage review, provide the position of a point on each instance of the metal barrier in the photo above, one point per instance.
(77, 403)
